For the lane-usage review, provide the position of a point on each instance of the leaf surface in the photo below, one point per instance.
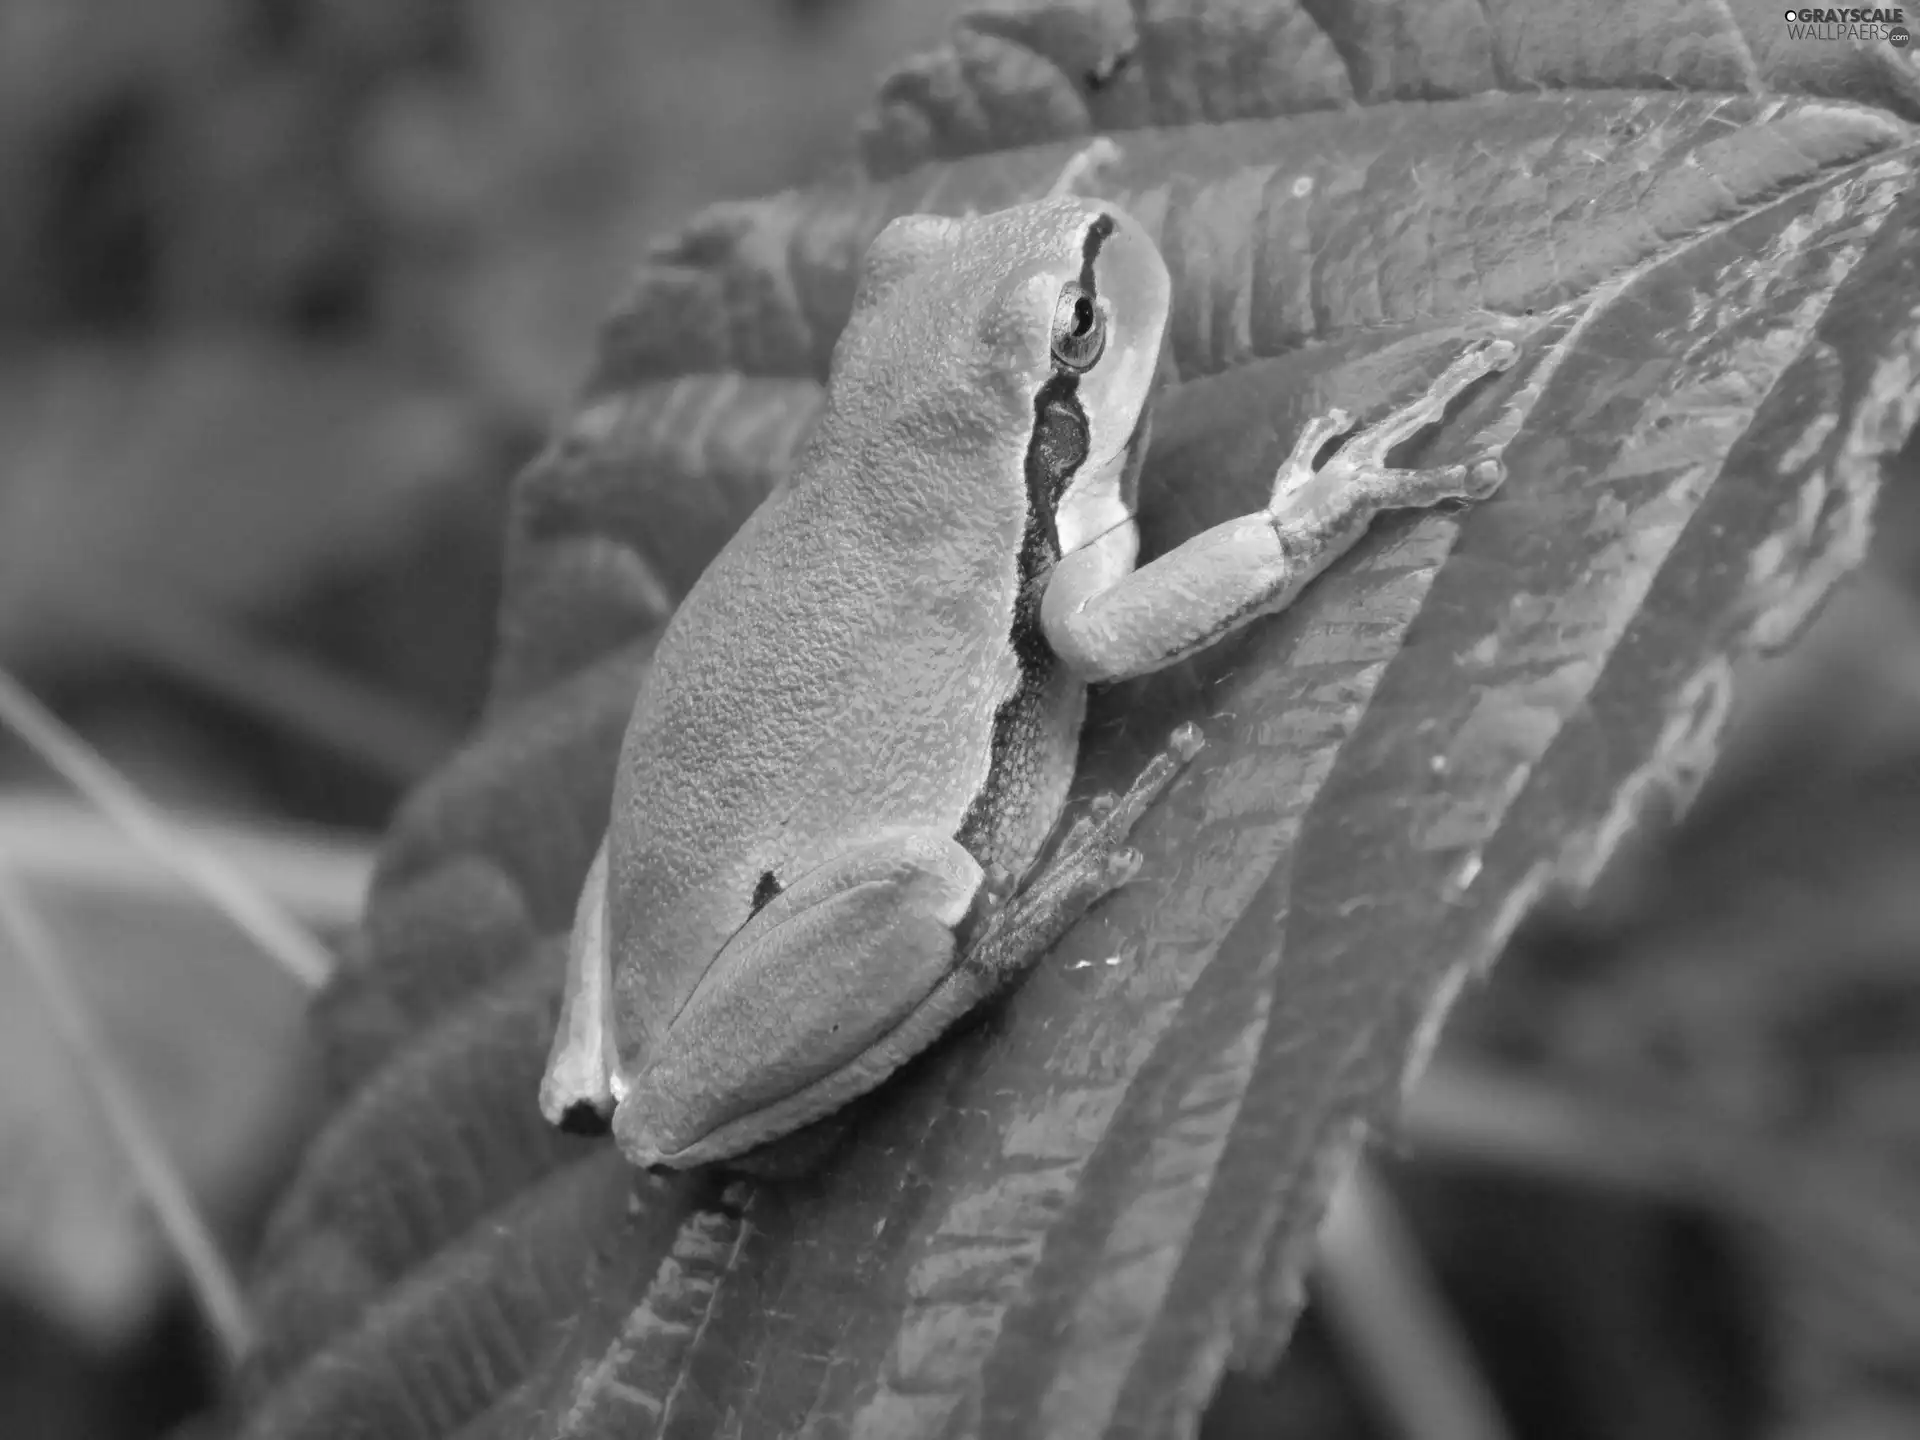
(1070, 1216)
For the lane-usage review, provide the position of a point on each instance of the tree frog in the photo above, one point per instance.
(861, 724)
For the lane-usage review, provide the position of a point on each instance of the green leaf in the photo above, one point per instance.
(1069, 1217)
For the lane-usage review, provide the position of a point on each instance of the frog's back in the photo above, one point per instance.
(817, 678)
(822, 684)
(864, 656)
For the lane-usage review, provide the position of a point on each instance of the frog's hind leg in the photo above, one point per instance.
(577, 1094)
(853, 970)
(782, 1028)
(1092, 861)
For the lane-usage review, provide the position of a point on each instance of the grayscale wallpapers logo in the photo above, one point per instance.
(1819, 23)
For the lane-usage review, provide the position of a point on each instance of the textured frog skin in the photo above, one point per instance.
(838, 671)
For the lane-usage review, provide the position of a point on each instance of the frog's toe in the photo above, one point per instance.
(656, 1133)
(640, 1135)
(1497, 353)
(1423, 489)
(1484, 477)
(1186, 741)
(1122, 865)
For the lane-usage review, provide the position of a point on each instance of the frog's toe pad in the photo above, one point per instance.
(1122, 865)
(1484, 477)
(1186, 741)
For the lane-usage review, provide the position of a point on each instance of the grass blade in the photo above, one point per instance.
(207, 1272)
(292, 946)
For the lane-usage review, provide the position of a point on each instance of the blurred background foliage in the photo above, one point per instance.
(288, 291)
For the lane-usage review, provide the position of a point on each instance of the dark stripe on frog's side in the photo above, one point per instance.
(1057, 450)
(1059, 444)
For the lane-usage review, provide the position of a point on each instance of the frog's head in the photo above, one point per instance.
(1031, 336)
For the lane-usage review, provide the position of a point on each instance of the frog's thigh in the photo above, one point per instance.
(776, 1033)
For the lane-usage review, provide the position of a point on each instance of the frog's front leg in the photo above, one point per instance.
(1108, 621)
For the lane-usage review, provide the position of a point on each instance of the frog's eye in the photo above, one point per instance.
(1079, 330)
